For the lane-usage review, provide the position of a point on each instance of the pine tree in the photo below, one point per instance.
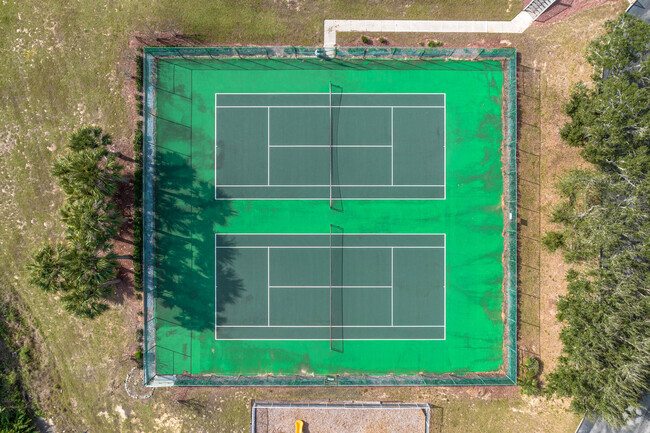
(604, 215)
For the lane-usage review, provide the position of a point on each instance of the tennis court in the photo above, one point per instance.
(300, 146)
(329, 221)
(332, 287)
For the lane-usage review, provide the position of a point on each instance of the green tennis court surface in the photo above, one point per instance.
(284, 153)
(343, 287)
(309, 218)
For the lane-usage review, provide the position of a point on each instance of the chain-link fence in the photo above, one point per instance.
(358, 57)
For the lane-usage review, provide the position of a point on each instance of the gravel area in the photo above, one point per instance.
(328, 419)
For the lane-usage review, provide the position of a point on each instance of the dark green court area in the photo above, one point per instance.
(300, 145)
(322, 287)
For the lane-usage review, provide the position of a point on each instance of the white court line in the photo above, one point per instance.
(392, 128)
(444, 145)
(268, 107)
(327, 287)
(392, 268)
(326, 247)
(326, 234)
(268, 146)
(321, 93)
(327, 339)
(325, 145)
(216, 309)
(321, 186)
(392, 248)
(327, 106)
(215, 148)
(333, 326)
(321, 198)
(268, 285)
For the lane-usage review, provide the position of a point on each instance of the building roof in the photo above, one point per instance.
(640, 424)
(640, 9)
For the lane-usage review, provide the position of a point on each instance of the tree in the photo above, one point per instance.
(609, 123)
(604, 215)
(88, 269)
(623, 47)
(83, 277)
(91, 137)
(88, 137)
(88, 173)
(90, 223)
(83, 269)
(85, 301)
(45, 270)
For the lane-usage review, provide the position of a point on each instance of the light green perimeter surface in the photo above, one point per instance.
(187, 218)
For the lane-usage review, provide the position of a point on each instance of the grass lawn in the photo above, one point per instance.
(67, 64)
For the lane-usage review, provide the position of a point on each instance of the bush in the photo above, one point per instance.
(528, 381)
(138, 357)
(433, 43)
(382, 40)
(138, 73)
(365, 39)
(15, 421)
(530, 367)
(553, 240)
(528, 385)
(421, 43)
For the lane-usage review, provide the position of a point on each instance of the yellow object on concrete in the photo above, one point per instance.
(299, 426)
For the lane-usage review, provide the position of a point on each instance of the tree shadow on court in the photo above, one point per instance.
(336, 298)
(186, 219)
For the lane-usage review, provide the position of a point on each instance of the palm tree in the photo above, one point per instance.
(92, 137)
(90, 222)
(87, 269)
(88, 137)
(45, 271)
(85, 301)
(88, 173)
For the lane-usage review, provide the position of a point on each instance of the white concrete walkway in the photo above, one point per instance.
(518, 24)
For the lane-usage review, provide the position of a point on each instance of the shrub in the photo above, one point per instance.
(15, 421)
(530, 366)
(365, 39)
(421, 43)
(433, 43)
(553, 240)
(528, 385)
(382, 40)
(528, 381)
(138, 73)
(138, 357)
